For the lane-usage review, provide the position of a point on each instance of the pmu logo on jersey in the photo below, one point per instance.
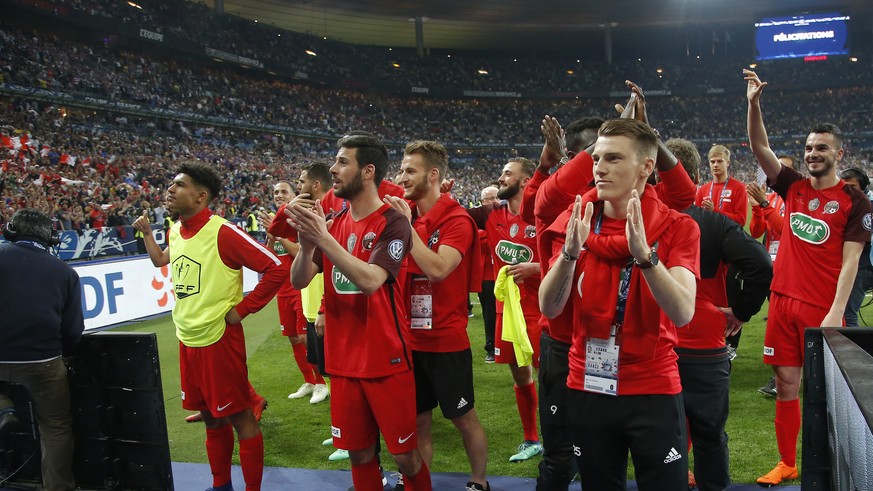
(512, 253)
(186, 277)
(809, 229)
(341, 283)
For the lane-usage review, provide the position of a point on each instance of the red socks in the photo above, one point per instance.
(367, 477)
(787, 425)
(251, 459)
(319, 380)
(302, 364)
(526, 400)
(219, 450)
(420, 481)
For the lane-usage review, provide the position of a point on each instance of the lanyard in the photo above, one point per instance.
(723, 191)
(624, 283)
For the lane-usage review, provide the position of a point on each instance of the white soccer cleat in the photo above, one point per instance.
(319, 393)
(303, 391)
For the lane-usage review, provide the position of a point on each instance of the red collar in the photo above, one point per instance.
(195, 223)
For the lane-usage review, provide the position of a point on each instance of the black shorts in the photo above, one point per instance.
(315, 348)
(444, 379)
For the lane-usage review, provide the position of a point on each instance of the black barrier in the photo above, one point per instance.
(831, 459)
(814, 451)
(119, 421)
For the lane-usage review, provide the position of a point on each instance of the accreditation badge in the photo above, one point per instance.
(601, 364)
(421, 313)
(773, 249)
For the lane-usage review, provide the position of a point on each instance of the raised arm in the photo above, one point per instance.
(159, 257)
(758, 140)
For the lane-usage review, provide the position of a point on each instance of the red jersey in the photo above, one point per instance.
(363, 334)
(706, 329)
(676, 190)
(678, 245)
(287, 290)
(330, 203)
(488, 273)
(818, 222)
(728, 198)
(438, 311)
(513, 241)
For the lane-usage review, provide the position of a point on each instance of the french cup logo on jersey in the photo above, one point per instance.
(341, 284)
(809, 229)
(186, 277)
(512, 253)
(831, 207)
(530, 231)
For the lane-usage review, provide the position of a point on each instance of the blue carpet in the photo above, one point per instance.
(196, 477)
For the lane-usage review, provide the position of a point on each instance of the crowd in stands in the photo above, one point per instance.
(526, 72)
(96, 168)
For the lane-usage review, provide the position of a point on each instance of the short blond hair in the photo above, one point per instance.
(719, 150)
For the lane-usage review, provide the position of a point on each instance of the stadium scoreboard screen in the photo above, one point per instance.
(802, 36)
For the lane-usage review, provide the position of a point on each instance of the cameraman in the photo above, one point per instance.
(41, 308)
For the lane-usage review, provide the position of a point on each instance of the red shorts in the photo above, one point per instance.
(291, 318)
(214, 378)
(786, 321)
(360, 408)
(503, 350)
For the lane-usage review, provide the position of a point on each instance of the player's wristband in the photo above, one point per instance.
(567, 256)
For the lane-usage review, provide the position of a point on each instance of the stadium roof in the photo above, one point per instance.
(496, 24)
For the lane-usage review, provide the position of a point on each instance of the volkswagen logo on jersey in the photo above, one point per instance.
(350, 244)
(867, 222)
(367, 243)
(395, 249)
(434, 238)
(513, 230)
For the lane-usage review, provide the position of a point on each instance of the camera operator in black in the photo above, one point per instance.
(41, 308)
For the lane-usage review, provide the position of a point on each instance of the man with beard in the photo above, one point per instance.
(207, 255)
(829, 222)
(445, 255)
(513, 243)
(363, 249)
